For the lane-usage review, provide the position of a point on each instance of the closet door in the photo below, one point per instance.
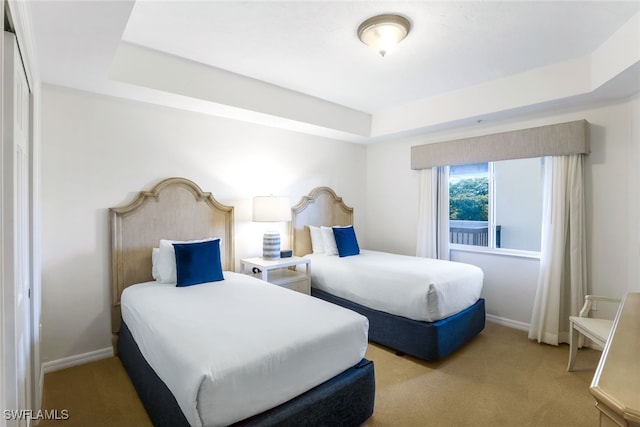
(16, 240)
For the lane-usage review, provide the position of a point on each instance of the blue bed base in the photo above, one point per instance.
(345, 400)
(430, 341)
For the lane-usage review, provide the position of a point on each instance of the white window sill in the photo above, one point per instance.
(495, 251)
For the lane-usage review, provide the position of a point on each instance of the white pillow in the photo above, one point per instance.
(317, 242)
(330, 246)
(155, 254)
(167, 259)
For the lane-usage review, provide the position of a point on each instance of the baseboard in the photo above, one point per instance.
(508, 322)
(525, 327)
(78, 359)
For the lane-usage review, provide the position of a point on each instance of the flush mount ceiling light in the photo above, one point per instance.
(383, 32)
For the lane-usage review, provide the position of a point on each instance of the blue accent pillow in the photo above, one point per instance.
(198, 262)
(346, 241)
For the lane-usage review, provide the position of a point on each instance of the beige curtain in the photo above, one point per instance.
(433, 213)
(562, 282)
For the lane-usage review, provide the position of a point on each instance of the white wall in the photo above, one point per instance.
(612, 207)
(98, 152)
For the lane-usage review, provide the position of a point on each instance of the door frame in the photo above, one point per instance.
(20, 17)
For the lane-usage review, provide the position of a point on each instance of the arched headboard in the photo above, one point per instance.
(175, 209)
(321, 207)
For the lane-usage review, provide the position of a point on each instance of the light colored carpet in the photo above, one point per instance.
(499, 379)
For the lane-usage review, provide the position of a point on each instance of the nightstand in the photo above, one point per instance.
(281, 272)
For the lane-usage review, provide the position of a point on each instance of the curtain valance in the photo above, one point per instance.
(551, 140)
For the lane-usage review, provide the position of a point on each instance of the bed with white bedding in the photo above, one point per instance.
(284, 343)
(421, 289)
(423, 307)
(235, 350)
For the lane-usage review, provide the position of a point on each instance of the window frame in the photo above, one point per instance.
(491, 219)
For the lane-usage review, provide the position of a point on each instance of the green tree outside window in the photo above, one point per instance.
(469, 199)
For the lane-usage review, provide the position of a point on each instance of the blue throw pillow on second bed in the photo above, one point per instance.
(346, 241)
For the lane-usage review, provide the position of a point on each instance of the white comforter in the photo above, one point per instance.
(421, 289)
(231, 349)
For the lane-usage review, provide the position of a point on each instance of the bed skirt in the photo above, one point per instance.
(346, 400)
(429, 341)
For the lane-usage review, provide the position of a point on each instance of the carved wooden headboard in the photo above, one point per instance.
(321, 207)
(175, 209)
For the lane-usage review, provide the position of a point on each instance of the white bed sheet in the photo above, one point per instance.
(421, 289)
(231, 349)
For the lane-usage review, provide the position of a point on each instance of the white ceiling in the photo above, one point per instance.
(311, 48)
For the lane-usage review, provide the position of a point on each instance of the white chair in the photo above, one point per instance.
(597, 330)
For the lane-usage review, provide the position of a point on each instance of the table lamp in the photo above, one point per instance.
(271, 209)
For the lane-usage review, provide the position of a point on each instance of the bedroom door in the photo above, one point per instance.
(16, 212)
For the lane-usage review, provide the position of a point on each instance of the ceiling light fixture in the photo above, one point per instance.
(383, 32)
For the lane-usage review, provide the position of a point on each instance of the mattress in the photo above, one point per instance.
(231, 349)
(421, 289)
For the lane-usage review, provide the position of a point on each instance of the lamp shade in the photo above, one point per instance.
(271, 209)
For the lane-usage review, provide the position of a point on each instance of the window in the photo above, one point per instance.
(496, 204)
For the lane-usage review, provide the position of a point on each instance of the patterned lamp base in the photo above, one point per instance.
(271, 245)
